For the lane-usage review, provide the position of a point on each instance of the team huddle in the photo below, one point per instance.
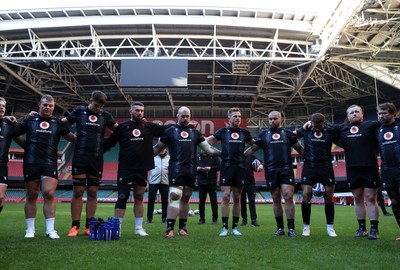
(39, 135)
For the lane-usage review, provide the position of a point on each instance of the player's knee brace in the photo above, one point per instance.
(92, 181)
(121, 203)
(122, 199)
(79, 182)
(175, 195)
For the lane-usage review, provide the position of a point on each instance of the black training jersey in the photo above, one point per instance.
(182, 145)
(42, 138)
(359, 142)
(388, 137)
(135, 144)
(318, 145)
(90, 128)
(277, 146)
(233, 143)
(7, 132)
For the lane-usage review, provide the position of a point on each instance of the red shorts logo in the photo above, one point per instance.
(354, 130)
(44, 125)
(276, 136)
(93, 118)
(184, 134)
(136, 133)
(235, 136)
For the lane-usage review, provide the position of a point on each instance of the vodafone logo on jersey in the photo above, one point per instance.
(93, 118)
(354, 130)
(276, 136)
(44, 125)
(184, 134)
(388, 136)
(318, 134)
(136, 133)
(235, 136)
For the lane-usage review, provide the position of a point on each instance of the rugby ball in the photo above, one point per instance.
(318, 189)
(256, 165)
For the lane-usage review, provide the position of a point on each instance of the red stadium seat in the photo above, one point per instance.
(340, 169)
(110, 170)
(15, 169)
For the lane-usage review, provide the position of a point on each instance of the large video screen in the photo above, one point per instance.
(154, 72)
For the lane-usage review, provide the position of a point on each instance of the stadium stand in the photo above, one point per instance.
(15, 171)
(112, 155)
(64, 195)
(339, 168)
(110, 172)
(297, 171)
(195, 197)
(15, 195)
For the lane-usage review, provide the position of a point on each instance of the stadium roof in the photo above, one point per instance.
(296, 56)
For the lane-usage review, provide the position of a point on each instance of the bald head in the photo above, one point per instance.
(183, 116)
(183, 109)
(275, 119)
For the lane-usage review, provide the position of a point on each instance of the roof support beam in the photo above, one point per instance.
(336, 24)
(115, 76)
(380, 73)
(27, 84)
(92, 46)
(171, 101)
(352, 86)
